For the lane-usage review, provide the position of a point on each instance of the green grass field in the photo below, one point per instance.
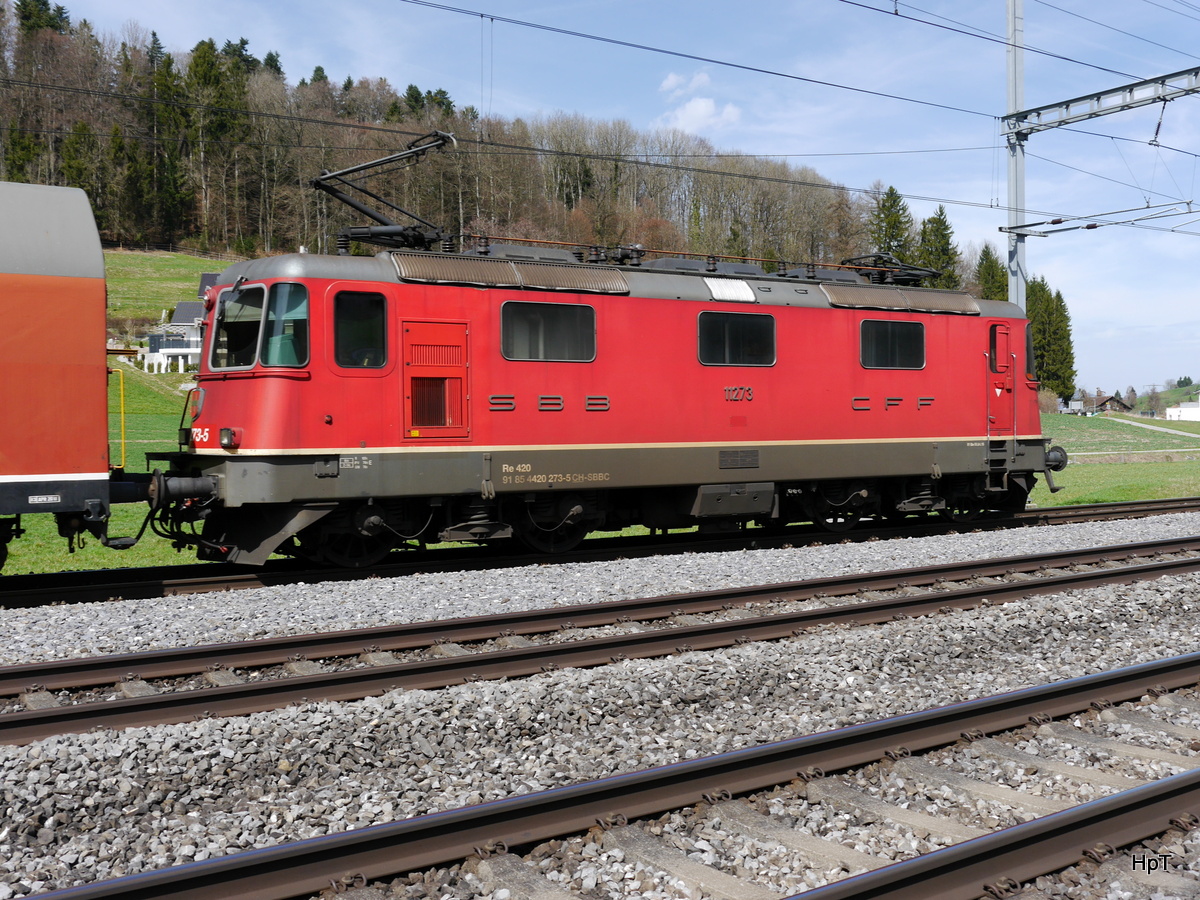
(1107, 435)
(1190, 427)
(142, 285)
(1130, 463)
(1113, 460)
(1115, 482)
(153, 409)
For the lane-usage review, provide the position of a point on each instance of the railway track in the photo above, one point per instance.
(21, 591)
(212, 680)
(754, 798)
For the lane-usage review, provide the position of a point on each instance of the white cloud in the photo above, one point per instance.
(671, 83)
(700, 114)
(676, 85)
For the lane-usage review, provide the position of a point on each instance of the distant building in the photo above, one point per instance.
(1084, 405)
(178, 341)
(1185, 412)
(1112, 404)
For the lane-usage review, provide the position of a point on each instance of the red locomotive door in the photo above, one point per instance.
(1001, 397)
(435, 380)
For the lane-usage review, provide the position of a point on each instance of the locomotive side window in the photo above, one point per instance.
(360, 330)
(1030, 361)
(999, 355)
(892, 345)
(736, 339)
(285, 339)
(551, 332)
(239, 320)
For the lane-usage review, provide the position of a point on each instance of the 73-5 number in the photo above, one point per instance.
(739, 393)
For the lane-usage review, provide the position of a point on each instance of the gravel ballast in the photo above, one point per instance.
(79, 808)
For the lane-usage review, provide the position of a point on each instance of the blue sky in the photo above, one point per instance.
(1132, 292)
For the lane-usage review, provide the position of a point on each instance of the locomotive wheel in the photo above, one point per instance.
(961, 513)
(558, 540)
(838, 519)
(353, 551)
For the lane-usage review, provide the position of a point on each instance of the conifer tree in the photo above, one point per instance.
(78, 153)
(155, 52)
(936, 250)
(161, 167)
(1052, 344)
(439, 100)
(991, 275)
(36, 14)
(239, 56)
(891, 226)
(216, 88)
(414, 100)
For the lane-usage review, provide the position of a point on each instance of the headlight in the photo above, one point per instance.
(196, 401)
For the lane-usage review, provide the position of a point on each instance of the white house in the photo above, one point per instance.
(1185, 412)
(178, 341)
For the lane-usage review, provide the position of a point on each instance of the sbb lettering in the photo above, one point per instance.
(549, 403)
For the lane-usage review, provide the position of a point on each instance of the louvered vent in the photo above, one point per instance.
(482, 271)
(881, 296)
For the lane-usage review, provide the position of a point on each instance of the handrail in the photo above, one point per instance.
(122, 412)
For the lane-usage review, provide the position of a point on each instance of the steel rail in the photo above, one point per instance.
(87, 671)
(242, 699)
(23, 591)
(1101, 511)
(1023, 852)
(412, 844)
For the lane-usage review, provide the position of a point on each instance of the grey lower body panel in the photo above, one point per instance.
(424, 473)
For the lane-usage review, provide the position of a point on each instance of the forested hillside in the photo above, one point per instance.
(215, 148)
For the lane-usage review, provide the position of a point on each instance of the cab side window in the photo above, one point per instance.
(360, 330)
(239, 320)
(285, 337)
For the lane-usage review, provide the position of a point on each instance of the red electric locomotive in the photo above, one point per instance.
(347, 404)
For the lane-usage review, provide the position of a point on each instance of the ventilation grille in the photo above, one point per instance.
(439, 268)
(436, 355)
(878, 296)
(436, 402)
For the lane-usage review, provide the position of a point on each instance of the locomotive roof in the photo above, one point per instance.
(520, 268)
